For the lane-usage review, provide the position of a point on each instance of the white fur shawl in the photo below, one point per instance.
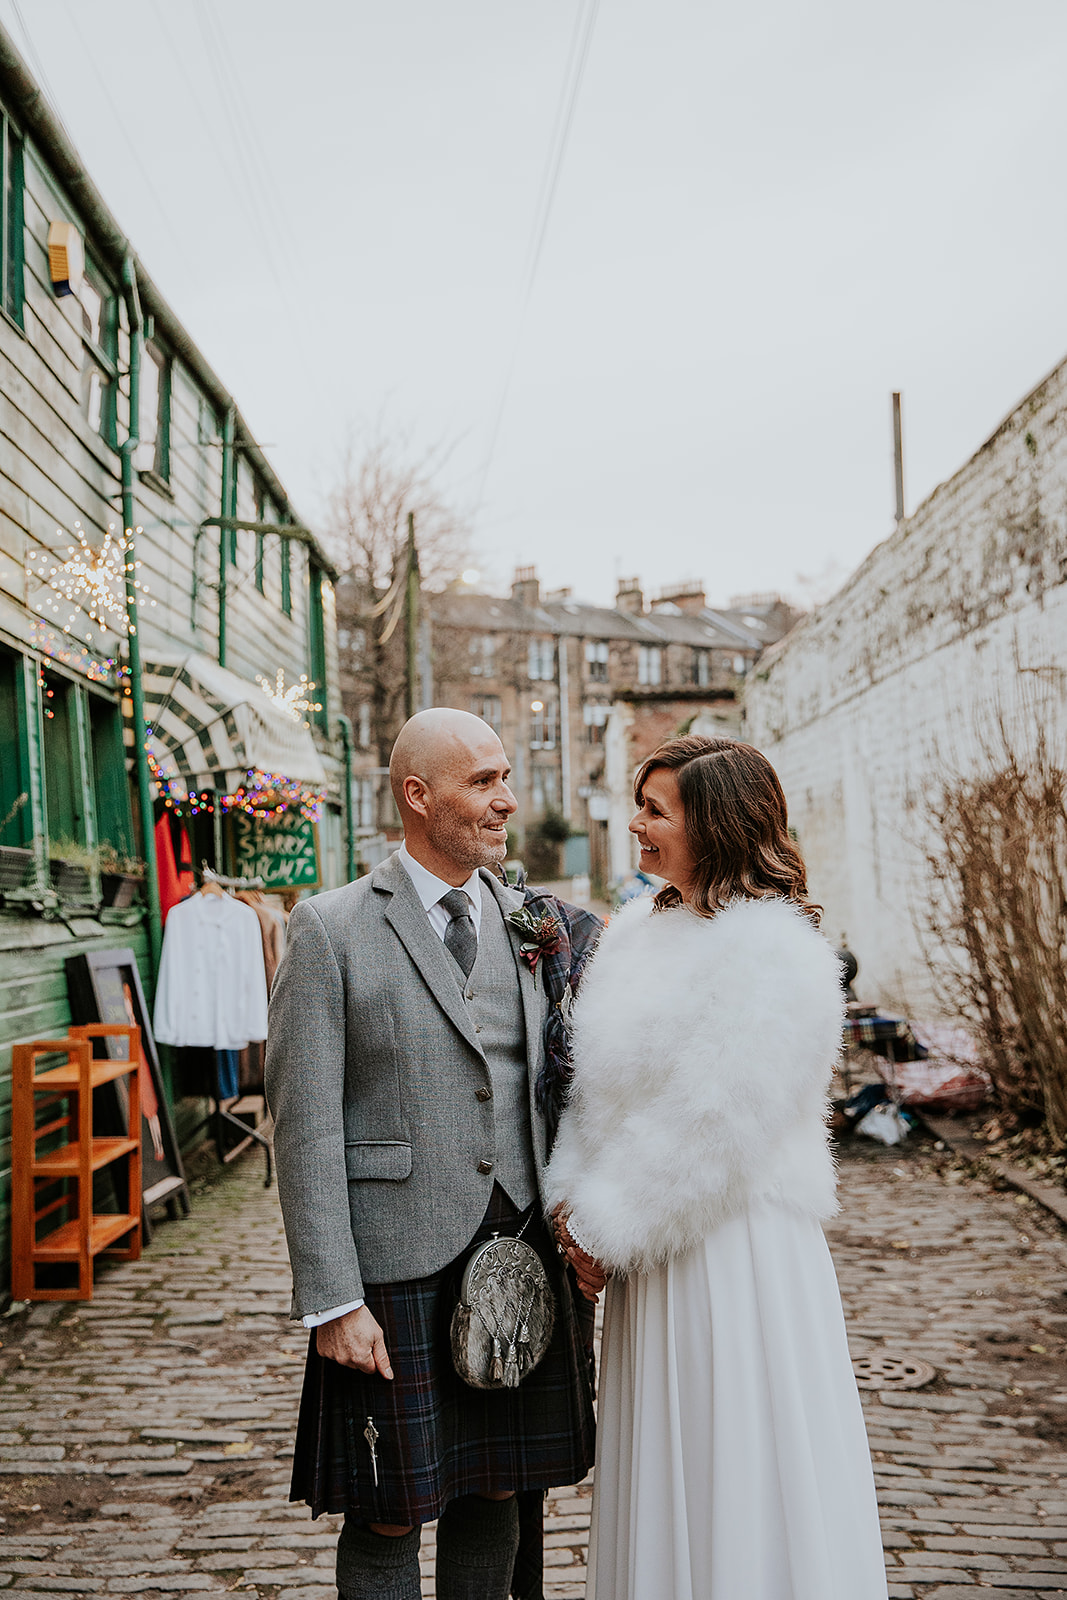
(703, 1050)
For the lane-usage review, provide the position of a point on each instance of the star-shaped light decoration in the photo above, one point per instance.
(90, 579)
(295, 700)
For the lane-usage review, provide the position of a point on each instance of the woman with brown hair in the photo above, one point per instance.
(692, 1169)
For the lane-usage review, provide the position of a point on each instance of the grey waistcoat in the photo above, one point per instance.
(494, 1001)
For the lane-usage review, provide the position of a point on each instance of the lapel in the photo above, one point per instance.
(405, 914)
(534, 999)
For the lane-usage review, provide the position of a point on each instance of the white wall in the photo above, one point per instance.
(962, 612)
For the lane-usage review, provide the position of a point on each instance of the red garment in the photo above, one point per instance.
(176, 879)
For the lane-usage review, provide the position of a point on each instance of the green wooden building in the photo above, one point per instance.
(233, 588)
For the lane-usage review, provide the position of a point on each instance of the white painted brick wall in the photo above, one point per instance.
(961, 611)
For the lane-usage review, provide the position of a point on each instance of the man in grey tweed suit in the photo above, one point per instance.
(404, 1044)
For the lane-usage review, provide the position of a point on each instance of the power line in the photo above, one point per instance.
(217, 53)
(574, 73)
(151, 183)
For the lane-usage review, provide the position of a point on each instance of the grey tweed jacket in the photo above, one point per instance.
(372, 1077)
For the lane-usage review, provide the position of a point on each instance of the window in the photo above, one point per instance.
(317, 645)
(12, 242)
(15, 812)
(100, 343)
(364, 804)
(68, 736)
(109, 775)
(363, 726)
(595, 719)
(740, 666)
(543, 726)
(153, 451)
(596, 657)
(649, 664)
(701, 668)
(483, 651)
(264, 512)
(488, 707)
(287, 577)
(544, 790)
(64, 796)
(542, 661)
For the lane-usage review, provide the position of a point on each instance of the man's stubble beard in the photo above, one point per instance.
(463, 844)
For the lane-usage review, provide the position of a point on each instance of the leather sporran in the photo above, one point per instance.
(503, 1323)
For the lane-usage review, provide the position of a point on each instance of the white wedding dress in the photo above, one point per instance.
(732, 1459)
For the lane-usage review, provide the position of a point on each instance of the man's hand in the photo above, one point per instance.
(354, 1340)
(590, 1274)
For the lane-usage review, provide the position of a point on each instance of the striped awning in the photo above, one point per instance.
(209, 728)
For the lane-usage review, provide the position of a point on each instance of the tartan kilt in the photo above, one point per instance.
(437, 1437)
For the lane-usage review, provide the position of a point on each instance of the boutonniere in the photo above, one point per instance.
(541, 935)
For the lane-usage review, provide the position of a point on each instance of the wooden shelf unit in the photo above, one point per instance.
(68, 1091)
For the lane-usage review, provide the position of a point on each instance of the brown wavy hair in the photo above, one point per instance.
(736, 823)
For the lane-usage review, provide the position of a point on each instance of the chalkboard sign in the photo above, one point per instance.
(284, 852)
(105, 986)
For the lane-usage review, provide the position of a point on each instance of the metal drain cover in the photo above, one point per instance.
(892, 1372)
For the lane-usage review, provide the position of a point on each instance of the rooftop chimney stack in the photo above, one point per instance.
(526, 588)
(689, 598)
(629, 597)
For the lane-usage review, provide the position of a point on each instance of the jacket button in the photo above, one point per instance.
(485, 1168)
(483, 1094)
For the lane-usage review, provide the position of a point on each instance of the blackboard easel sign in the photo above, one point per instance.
(105, 986)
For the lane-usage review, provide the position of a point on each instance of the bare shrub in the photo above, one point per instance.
(998, 914)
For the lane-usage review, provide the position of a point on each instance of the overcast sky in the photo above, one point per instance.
(768, 217)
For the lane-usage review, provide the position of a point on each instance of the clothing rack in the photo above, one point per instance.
(224, 1113)
(209, 875)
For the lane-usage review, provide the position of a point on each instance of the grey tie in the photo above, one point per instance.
(461, 941)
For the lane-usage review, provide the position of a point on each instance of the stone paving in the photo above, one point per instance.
(145, 1438)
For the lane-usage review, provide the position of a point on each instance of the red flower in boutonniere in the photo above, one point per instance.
(542, 935)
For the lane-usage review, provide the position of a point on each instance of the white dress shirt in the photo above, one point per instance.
(212, 987)
(431, 890)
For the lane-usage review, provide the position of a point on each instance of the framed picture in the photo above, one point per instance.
(105, 986)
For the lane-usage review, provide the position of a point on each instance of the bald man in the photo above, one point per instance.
(405, 1044)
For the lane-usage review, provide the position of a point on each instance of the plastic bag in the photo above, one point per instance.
(884, 1123)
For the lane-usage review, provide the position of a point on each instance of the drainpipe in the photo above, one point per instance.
(133, 638)
(350, 827)
(229, 509)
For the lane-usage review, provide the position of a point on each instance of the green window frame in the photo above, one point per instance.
(100, 338)
(111, 790)
(287, 576)
(317, 645)
(156, 445)
(16, 818)
(12, 222)
(261, 502)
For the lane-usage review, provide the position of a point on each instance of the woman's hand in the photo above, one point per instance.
(590, 1274)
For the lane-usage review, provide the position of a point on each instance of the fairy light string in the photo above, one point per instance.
(91, 579)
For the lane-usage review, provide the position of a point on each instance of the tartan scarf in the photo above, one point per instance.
(561, 973)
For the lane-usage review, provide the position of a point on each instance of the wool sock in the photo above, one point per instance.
(476, 1544)
(377, 1566)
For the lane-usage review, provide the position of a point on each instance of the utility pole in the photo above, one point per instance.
(898, 458)
(411, 620)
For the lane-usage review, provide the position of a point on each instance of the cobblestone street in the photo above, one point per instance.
(147, 1436)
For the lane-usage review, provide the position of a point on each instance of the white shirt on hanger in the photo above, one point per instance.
(212, 988)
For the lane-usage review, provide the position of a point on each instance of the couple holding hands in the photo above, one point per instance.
(487, 1111)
